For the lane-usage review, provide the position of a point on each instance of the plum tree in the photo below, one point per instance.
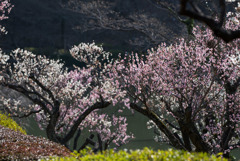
(65, 102)
(189, 90)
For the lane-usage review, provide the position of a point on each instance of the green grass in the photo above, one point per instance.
(6, 121)
(138, 155)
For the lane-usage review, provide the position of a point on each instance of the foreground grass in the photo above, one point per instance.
(16, 145)
(138, 155)
(6, 121)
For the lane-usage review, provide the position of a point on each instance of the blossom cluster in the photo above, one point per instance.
(91, 54)
(5, 5)
(5, 8)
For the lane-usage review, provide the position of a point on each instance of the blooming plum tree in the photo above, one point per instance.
(5, 8)
(189, 90)
(65, 102)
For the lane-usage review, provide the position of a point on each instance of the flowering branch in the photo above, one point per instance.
(215, 25)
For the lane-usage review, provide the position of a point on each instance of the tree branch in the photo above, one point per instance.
(73, 129)
(55, 102)
(28, 114)
(87, 141)
(75, 142)
(215, 26)
(27, 94)
(172, 138)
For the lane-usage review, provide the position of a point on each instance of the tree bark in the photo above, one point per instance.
(73, 129)
(172, 138)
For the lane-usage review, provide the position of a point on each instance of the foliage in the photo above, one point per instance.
(188, 90)
(65, 102)
(138, 155)
(6, 121)
(17, 146)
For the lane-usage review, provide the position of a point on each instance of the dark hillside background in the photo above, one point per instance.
(45, 24)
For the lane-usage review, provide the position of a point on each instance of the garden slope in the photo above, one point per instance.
(17, 146)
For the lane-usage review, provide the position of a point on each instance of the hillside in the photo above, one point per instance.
(46, 24)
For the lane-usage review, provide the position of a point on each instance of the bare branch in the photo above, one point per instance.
(87, 141)
(223, 12)
(100, 15)
(75, 142)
